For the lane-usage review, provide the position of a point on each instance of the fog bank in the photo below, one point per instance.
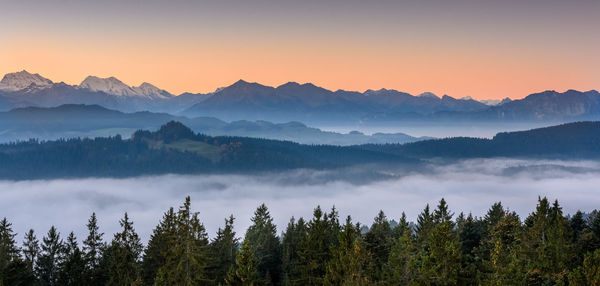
(469, 186)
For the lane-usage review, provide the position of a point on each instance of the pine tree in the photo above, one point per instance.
(351, 263)
(245, 272)
(161, 242)
(424, 225)
(9, 252)
(186, 262)
(591, 266)
(505, 265)
(470, 235)
(223, 251)
(73, 265)
(548, 243)
(402, 265)
(261, 236)
(293, 239)
(125, 250)
(93, 251)
(441, 256)
(315, 250)
(50, 258)
(378, 241)
(31, 249)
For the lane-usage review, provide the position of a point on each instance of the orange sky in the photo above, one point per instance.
(483, 51)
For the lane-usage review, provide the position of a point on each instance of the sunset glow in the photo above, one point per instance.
(467, 49)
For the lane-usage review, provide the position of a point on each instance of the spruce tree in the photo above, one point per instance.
(292, 242)
(261, 236)
(351, 263)
(162, 241)
(315, 250)
(223, 251)
(505, 264)
(440, 252)
(125, 250)
(187, 260)
(245, 272)
(93, 251)
(378, 241)
(31, 249)
(402, 266)
(73, 265)
(9, 252)
(50, 258)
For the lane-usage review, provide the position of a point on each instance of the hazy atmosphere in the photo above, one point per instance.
(469, 186)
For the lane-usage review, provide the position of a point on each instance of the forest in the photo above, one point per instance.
(176, 149)
(440, 248)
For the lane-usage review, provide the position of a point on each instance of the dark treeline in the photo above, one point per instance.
(546, 248)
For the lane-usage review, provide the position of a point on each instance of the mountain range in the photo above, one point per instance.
(296, 102)
(78, 120)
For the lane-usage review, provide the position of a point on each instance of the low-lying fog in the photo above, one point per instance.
(469, 186)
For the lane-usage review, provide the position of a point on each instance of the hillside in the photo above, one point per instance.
(175, 148)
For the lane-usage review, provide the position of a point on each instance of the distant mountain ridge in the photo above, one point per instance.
(175, 149)
(76, 120)
(297, 102)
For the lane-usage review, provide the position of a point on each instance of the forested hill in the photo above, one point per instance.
(571, 141)
(174, 148)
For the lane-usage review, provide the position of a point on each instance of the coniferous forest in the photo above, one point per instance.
(440, 248)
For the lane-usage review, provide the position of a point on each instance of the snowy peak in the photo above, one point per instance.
(112, 85)
(23, 79)
(149, 90)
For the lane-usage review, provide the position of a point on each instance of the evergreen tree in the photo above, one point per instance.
(424, 225)
(470, 235)
(73, 265)
(161, 242)
(548, 243)
(9, 252)
(261, 236)
(292, 242)
(31, 249)
(245, 272)
(223, 251)
(591, 266)
(505, 266)
(402, 265)
(351, 263)
(315, 250)
(378, 241)
(186, 262)
(440, 253)
(93, 251)
(125, 250)
(50, 258)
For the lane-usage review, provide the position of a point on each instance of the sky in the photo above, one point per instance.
(483, 49)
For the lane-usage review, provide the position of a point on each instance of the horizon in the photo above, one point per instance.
(465, 48)
(215, 90)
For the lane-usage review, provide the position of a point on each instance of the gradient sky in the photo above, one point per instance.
(482, 49)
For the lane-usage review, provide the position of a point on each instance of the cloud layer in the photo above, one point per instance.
(469, 186)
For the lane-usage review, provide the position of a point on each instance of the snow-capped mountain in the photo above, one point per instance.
(149, 90)
(114, 86)
(22, 80)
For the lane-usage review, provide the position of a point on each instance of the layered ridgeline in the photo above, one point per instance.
(175, 148)
(296, 102)
(78, 120)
